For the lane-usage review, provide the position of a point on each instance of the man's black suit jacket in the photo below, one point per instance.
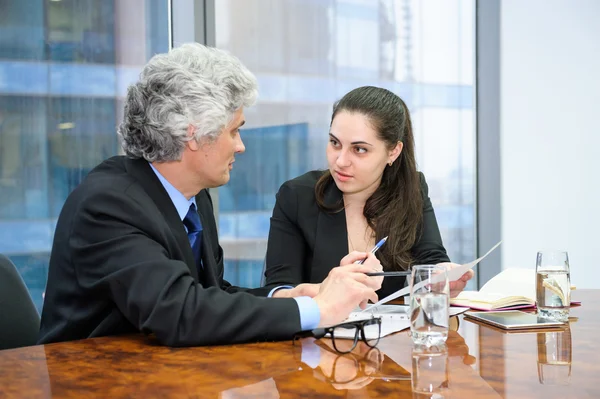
(305, 242)
(121, 262)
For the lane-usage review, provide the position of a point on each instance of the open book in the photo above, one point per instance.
(509, 289)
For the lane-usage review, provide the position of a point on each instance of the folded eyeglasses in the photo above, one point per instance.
(351, 330)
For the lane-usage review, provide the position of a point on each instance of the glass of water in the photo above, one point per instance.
(429, 304)
(553, 285)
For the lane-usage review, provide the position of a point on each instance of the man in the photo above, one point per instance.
(136, 247)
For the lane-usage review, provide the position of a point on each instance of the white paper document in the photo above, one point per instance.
(394, 318)
(453, 275)
(387, 327)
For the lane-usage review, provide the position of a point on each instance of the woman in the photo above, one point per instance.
(371, 190)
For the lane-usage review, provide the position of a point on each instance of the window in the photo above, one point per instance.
(65, 66)
(309, 55)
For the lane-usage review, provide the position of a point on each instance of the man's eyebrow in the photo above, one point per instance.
(353, 143)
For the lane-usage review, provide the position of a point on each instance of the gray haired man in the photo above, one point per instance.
(136, 246)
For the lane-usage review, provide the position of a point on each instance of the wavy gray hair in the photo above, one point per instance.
(190, 85)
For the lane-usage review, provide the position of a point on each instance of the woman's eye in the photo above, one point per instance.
(333, 143)
(360, 150)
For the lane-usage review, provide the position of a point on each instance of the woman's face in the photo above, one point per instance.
(355, 155)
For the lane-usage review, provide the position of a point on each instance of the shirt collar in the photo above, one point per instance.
(181, 203)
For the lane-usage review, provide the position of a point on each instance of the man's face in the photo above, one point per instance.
(213, 159)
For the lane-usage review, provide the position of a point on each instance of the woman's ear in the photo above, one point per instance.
(395, 152)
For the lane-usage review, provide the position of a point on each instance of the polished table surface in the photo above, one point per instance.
(480, 362)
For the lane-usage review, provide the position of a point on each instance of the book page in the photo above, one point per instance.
(476, 296)
(512, 282)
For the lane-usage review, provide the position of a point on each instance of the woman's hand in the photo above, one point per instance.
(305, 289)
(457, 286)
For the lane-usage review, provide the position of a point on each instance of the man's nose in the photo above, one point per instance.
(239, 146)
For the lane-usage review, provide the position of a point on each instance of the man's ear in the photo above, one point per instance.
(192, 143)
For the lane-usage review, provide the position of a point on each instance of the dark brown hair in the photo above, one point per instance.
(396, 208)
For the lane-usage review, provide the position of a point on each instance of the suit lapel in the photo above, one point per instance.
(331, 242)
(211, 272)
(208, 260)
(141, 171)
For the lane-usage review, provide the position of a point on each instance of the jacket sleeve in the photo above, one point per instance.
(119, 253)
(429, 248)
(287, 249)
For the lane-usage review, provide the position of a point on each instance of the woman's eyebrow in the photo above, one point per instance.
(353, 143)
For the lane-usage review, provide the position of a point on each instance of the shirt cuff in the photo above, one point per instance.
(281, 287)
(310, 315)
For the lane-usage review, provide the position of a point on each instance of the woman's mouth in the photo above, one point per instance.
(343, 177)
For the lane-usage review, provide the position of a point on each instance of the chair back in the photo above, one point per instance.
(19, 319)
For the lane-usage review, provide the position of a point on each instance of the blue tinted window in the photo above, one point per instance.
(65, 66)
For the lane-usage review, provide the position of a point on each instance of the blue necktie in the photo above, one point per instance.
(194, 231)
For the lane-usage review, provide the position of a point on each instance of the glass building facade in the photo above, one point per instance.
(64, 70)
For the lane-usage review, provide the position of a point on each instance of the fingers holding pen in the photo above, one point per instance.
(352, 258)
(372, 265)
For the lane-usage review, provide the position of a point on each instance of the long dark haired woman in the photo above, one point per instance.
(371, 190)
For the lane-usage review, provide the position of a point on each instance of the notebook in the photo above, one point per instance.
(509, 289)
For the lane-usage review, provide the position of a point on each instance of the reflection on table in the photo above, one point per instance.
(477, 362)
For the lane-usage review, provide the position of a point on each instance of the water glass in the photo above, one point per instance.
(554, 357)
(553, 285)
(429, 304)
(429, 376)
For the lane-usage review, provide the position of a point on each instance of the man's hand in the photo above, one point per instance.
(370, 261)
(342, 291)
(311, 290)
(457, 286)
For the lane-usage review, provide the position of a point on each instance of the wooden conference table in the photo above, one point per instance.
(480, 362)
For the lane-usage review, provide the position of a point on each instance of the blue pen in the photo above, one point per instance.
(375, 248)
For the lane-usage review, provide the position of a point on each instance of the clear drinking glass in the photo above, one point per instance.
(429, 304)
(554, 357)
(553, 285)
(429, 376)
